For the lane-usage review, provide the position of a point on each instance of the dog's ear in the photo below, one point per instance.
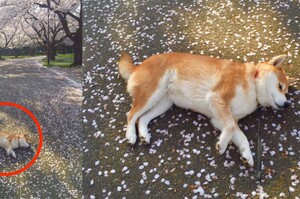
(277, 61)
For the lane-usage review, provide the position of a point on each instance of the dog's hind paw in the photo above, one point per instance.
(131, 135)
(221, 149)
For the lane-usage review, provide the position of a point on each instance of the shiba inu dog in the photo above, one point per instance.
(12, 141)
(223, 90)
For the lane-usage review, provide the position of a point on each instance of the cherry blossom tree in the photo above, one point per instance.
(48, 33)
(10, 20)
(6, 37)
(33, 26)
(69, 13)
(19, 41)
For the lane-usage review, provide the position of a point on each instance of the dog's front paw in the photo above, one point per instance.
(220, 148)
(247, 159)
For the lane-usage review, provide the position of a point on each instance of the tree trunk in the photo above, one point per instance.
(51, 52)
(77, 48)
(77, 40)
(63, 49)
(16, 52)
(1, 55)
(32, 51)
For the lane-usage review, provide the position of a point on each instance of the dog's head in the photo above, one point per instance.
(271, 83)
(23, 140)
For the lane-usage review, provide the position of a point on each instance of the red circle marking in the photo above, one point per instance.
(39, 148)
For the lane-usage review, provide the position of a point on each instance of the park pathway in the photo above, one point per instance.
(55, 99)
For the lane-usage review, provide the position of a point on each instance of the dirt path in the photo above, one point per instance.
(55, 99)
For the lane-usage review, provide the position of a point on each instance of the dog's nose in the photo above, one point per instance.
(285, 105)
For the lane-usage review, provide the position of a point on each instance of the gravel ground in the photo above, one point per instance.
(55, 100)
(72, 74)
(181, 161)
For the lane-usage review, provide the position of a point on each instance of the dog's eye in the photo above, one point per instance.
(280, 87)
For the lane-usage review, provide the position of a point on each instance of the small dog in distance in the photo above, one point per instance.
(11, 141)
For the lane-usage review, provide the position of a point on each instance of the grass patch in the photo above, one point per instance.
(61, 60)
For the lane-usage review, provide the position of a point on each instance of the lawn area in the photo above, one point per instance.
(61, 60)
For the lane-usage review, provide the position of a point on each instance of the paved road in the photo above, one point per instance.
(181, 160)
(55, 100)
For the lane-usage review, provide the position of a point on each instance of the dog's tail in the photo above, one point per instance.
(126, 66)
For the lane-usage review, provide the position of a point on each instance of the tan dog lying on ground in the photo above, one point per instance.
(12, 141)
(223, 90)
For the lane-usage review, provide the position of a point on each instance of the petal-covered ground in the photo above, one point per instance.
(181, 161)
(55, 100)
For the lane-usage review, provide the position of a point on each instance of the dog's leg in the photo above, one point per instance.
(141, 105)
(217, 124)
(144, 120)
(143, 98)
(136, 111)
(226, 136)
(222, 114)
(10, 151)
(241, 141)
